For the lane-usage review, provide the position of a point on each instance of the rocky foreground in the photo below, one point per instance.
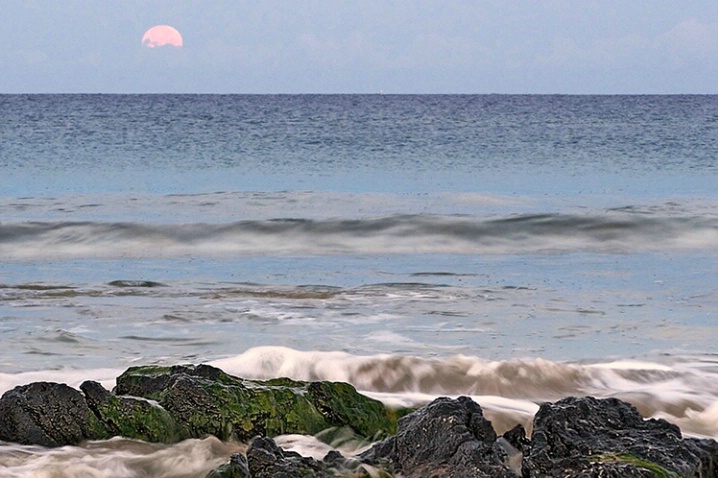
(450, 438)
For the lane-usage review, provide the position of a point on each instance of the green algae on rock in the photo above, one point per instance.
(170, 404)
(131, 417)
(205, 400)
(623, 458)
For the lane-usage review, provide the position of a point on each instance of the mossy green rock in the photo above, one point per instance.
(205, 400)
(652, 469)
(131, 417)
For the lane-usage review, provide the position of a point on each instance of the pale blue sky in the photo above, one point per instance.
(366, 46)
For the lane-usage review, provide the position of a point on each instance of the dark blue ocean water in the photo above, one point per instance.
(513, 248)
(501, 144)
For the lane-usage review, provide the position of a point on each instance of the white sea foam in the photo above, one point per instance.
(72, 377)
(685, 393)
(509, 390)
(118, 458)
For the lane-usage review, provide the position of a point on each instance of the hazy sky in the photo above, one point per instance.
(361, 46)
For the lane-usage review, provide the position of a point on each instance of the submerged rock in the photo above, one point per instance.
(135, 283)
(577, 437)
(205, 400)
(48, 414)
(267, 460)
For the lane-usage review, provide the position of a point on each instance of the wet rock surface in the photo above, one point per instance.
(169, 404)
(449, 438)
(131, 417)
(47, 414)
(236, 468)
(591, 437)
(267, 460)
(205, 400)
(573, 438)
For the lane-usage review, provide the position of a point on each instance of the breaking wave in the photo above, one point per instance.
(509, 390)
(684, 391)
(614, 232)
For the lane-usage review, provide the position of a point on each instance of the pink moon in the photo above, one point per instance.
(161, 35)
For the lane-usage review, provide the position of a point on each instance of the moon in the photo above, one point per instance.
(161, 35)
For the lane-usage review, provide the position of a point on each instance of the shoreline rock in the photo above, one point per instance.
(48, 414)
(574, 437)
(204, 400)
(170, 404)
(608, 437)
(448, 438)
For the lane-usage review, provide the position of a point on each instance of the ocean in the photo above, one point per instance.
(513, 248)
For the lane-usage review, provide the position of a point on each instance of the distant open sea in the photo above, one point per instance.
(516, 249)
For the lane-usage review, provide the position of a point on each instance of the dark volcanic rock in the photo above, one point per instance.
(588, 437)
(516, 437)
(205, 400)
(267, 460)
(236, 468)
(448, 438)
(47, 414)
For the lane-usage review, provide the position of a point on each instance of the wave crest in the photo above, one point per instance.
(614, 232)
